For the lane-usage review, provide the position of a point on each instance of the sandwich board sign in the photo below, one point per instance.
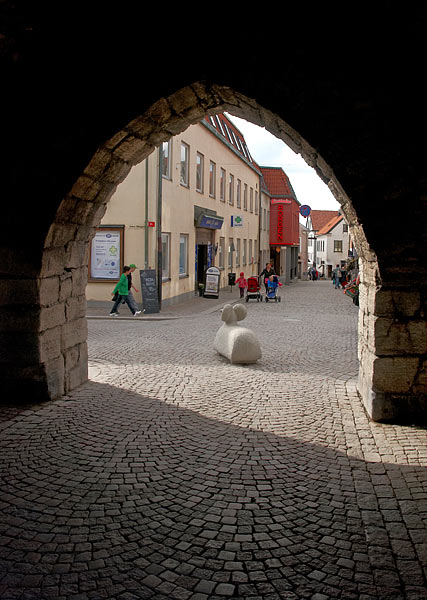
(212, 277)
(150, 299)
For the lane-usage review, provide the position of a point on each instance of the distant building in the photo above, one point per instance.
(332, 245)
(284, 222)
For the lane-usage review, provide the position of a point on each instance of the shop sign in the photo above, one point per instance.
(212, 277)
(210, 222)
(277, 218)
(236, 220)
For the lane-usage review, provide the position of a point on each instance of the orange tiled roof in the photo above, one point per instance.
(330, 225)
(277, 182)
(319, 218)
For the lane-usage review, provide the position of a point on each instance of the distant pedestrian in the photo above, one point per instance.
(242, 283)
(122, 290)
(337, 277)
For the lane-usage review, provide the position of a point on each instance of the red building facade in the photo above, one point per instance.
(284, 209)
(284, 221)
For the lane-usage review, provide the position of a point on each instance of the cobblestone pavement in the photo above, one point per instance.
(174, 475)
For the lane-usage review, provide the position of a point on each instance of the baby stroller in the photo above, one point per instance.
(252, 290)
(272, 290)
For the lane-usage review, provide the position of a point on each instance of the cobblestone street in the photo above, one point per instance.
(173, 474)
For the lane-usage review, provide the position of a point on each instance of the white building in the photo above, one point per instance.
(332, 245)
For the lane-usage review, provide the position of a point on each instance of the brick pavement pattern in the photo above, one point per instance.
(172, 474)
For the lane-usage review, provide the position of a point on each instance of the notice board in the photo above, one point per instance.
(150, 298)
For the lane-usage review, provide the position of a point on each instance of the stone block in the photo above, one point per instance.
(75, 308)
(50, 344)
(73, 333)
(49, 290)
(55, 377)
(394, 375)
(52, 317)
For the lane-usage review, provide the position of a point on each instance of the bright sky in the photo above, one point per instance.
(269, 151)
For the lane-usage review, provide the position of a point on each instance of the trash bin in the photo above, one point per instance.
(232, 279)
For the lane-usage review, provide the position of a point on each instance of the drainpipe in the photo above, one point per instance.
(159, 230)
(146, 215)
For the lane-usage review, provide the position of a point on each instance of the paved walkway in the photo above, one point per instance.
(174, 475)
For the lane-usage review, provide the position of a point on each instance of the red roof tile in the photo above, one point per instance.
(319, 218)
(277, 182)
(330, 225)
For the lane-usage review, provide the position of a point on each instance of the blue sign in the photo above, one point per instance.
(211, 222)
(304, 210)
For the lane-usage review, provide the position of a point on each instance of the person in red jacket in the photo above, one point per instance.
(242, 283)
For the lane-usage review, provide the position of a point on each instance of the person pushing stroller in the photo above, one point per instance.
(265, 274)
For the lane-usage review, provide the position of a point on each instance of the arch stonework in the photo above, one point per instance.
(76, 119)
(388, 318)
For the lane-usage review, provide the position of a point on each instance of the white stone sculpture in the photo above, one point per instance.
(238, 344)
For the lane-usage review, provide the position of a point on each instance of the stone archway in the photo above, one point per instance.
(60, 338)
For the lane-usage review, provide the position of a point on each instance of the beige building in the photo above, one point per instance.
(208, 189)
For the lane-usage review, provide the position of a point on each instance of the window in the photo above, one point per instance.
(244, 252)
(239, 193)
(166, 159)
(251, 201)
(256, 203)
(250, 252)
(222, 185)
(255, 251)
(337, 245)
(165, 256)
(200, 165)
(230, 252)
(231, 190)
(183, 254)
(185, 151)
(238, 253)
(212, 179)
(221, 251)
(344, 228)
(245, 197)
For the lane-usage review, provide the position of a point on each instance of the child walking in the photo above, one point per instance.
(242, 283)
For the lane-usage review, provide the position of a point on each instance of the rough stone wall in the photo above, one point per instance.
(78, 116)
(62, 326)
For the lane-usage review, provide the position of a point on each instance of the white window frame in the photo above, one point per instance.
(183, 237)
(245, 196)
(239, 194)
(251, 200)
(167, 158)
(230, 253)
(166, 256)
(222, 180)
(231, 189)
(221, 250)
(185, 161)
(200, 167)
(238, 252)
(212, 179)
